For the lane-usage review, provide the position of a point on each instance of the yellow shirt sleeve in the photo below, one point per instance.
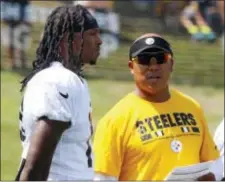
(209, 150)
(108, 148)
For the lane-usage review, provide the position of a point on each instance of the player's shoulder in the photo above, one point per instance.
(185, 98)
(124, 105)
(56, 74)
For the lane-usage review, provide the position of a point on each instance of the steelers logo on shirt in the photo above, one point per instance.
(176, 146)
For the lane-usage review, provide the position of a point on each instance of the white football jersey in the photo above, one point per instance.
(219, 137)
(219, 140)
(60, 94)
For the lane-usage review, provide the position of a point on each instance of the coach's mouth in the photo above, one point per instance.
(153, 76)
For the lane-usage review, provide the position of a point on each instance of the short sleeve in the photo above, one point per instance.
(108, 146)
(209, 150)
(45, 99)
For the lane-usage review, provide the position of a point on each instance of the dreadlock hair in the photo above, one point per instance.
(63, 19)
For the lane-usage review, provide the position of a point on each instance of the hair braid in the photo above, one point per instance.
(62, 19)
(75, 60)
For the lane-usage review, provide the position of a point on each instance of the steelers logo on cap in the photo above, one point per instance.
(149, 41)
(176, 146)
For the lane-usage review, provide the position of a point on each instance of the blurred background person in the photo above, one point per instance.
(209, 11)
(220, 6)
(16, 17)
(192, 19)
(169, 12)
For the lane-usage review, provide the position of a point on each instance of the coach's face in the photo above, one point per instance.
(151, 78)
(91, 46)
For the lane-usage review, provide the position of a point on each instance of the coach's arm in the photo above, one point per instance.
(43, 144)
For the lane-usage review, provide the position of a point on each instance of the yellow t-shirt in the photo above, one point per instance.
(139, 140)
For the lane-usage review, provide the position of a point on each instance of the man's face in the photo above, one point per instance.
(91, 46)
(154, 77)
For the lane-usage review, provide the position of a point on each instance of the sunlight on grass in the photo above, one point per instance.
(105, 93)
(110, 80)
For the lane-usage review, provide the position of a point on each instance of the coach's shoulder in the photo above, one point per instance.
(184, 98)
(119, 113)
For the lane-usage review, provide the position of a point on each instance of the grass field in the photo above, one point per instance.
(105, 93)
(108, 82)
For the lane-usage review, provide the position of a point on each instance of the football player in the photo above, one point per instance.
(55, 126)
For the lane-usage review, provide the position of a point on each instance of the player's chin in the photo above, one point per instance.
(93, 62)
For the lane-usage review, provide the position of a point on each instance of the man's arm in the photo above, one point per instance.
(207, 177)
(50, 114)
(43, 144)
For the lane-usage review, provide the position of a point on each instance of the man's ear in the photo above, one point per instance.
(131, 67)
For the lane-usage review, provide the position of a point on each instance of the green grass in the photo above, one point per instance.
(105, 93)
(110, 80)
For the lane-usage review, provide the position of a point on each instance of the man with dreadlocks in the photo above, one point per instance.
(55, 126)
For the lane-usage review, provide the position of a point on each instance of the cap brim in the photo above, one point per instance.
(148, 47)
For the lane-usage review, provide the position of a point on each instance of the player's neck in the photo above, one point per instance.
(161, 96)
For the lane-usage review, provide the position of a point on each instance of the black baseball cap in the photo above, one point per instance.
(148, 42)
